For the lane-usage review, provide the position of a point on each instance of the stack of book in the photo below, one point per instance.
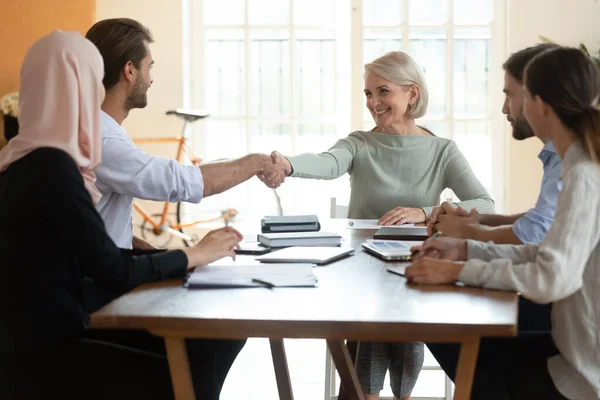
(300, 239)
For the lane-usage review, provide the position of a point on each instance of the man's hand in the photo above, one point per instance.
(275, 170)
(455, 216)
(444, 248)
(402, 215)
(432, 271)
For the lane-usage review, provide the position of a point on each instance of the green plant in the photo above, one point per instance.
(595, 57)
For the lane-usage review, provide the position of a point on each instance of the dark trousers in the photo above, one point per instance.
(210, 359)
(510, 368)
(93, 369)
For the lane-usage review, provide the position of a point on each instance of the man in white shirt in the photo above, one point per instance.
(128, 172)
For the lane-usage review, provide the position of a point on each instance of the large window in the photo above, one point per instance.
(287, 75)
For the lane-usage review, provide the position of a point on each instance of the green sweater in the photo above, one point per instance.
(387, 171)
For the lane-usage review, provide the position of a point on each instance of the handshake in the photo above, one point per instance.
(275, 168)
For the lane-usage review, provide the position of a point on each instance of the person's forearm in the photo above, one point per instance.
(500, 235)
(221, 176)
(498, 220)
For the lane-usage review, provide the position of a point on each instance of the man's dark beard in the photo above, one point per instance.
(137, 98)
(521, 129)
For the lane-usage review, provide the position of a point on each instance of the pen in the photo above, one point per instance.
(265, 283)
(438, 233)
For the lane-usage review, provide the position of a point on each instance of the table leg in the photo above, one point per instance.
(353, 351)
(282, 373)
(465, 370)
(345, 366)
(179, 366)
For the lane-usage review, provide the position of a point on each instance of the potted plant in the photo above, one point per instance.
(595, 57)
(9, 106)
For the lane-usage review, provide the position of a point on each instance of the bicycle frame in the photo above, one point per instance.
(161, 225)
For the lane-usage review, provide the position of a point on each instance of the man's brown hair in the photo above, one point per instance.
(119, 40)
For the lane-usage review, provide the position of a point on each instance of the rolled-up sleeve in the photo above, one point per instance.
(535, 224)
(128, 170)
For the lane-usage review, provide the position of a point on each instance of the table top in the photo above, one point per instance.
(357, 299)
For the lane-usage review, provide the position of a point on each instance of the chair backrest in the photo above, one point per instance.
(337, 210)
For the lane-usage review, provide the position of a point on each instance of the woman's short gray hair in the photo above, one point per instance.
(400, 69)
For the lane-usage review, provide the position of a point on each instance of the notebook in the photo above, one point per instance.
(251, 276)
(314, 255)
(390, 250)
(290, 223)
(300, 239)
(402, 233)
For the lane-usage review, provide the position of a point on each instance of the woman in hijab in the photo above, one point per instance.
(51, 236)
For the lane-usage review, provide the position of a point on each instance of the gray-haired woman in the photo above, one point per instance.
(398, 171)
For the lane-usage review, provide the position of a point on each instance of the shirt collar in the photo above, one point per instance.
(547, 152)
(110, 127)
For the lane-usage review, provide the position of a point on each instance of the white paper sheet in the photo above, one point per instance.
(372, 224)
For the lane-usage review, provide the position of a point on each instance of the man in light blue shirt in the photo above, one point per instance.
(127, 172)
(527, 227)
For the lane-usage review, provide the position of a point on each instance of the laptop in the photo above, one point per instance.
(313, 255)
(390, 250)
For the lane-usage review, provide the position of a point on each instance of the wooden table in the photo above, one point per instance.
(357, 300)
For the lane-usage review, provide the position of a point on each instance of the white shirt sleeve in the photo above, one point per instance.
(128, 170)
(555, 270)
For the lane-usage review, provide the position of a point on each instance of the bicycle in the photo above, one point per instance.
(156, 226)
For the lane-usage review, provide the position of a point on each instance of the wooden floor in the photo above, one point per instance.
(252, 376)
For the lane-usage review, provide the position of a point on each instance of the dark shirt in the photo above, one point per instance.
(50, 237)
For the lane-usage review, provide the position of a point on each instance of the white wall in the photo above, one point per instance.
(567, 23)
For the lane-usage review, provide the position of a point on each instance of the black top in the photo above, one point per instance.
(50, 236)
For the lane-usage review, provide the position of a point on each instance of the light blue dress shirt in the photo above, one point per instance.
(533, 226)
(127, 172)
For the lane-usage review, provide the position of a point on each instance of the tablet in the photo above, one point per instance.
(390, 250)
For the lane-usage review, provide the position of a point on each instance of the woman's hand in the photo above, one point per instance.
(444, 248)
(432, 271)
(402, 215)
(214, 246)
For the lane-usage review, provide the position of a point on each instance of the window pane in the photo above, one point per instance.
(304, 12)
(428, 47)
(264, 137)
(472, 58)
(377, 42)
(268, 12)
(270, 73)
(427, 12)
(311, 138)
(223, 139)
(225, 72)
(315, 74)
(473, 12)
(382, 12)
(438, 128)
(224, 13)
(474, 139)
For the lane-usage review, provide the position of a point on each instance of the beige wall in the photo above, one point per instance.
(565, 22)
(163, 18)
